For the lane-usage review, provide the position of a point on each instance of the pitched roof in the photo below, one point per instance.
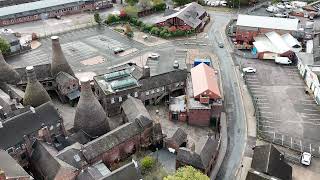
(10, 167)
(109, 140)
(268, 22)
(32, 6)
(73, 156)
(126, 172)
(267, 159)
(204, 78)
(255, 175)
(135, 111)
(205, 149)
(43, 72)
(26, 123)
(189, 13)
(179, 137)
(44, 160)
(94, 172)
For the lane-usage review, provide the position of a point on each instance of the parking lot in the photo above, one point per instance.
(286, 115)
(81, 45)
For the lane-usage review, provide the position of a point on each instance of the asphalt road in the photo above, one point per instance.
(236, 120)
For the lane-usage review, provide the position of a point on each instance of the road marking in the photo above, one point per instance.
(306, 114)
(282, 140)
(265, 112)
(300, 145)
(319, 149)
(314, 110)
(291, 142)
(274, 136)
(262, 102)
(264, 107)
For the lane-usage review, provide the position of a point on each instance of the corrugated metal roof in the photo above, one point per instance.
(268, 22)
(204, 79)
(20, 8)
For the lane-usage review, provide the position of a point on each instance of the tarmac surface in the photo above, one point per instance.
(286, 114)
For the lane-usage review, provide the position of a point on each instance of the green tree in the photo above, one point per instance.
(4, 46)
(131, 11)
(236, 3)
(187, 173)
(97, 18)
(156, 2)
(145, 4)
(132, 2)
(181, 2)
(147, 163)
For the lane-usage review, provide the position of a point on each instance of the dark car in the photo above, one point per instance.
(118, 50)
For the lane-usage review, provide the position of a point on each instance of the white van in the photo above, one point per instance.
(283, 60)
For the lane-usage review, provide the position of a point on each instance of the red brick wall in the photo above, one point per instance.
(199, 117)
(181, 117)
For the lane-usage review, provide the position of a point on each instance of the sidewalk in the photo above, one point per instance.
(251, 128)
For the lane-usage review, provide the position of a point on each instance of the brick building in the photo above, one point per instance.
(38, 10)
(202, 156)
(177, 140)
(248, 27)
(147, 85)
(187, 17)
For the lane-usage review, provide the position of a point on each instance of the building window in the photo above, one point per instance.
(112, 100)
(147, 93)
(120, 99)
(135, 94)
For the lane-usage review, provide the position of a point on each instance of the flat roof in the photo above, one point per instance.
(268, 22)
(20, 8)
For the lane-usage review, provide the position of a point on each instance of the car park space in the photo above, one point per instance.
(286, 115)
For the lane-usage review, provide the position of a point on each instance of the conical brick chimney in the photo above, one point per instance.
(59, 62)
(90, 115)
(7, 73)
(35, 94)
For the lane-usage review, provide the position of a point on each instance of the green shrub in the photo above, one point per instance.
(155, 31)
(147, 163)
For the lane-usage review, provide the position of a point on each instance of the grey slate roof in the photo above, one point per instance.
(20, 8)
(108, 141)
(26, 123)
(43, 72)
(43, 158)
(73, 156)
(10, 167)
(267, 159)
(179, 137)
(255, 175)
(7, 73)
(126, 172)
(135, 111)
(205, 149)
(94, 172)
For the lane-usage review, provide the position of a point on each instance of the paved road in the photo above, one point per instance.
(233, 102)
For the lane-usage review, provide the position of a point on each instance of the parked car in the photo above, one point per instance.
(118, 50)
(272, 9)
(281, 15)
(280, 6)
(221, 45)
(58, 17)
(249, 70)
(283, 60)
(154, 56)
(306, 158)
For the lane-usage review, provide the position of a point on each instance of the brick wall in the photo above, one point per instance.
(199, 117)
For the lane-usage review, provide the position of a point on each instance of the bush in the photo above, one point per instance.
(112, 19)
(160, 7)
(4, 46)
(155, 31)
(147, 163)
(131, 11)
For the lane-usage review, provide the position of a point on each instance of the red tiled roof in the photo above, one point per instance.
(205, 80)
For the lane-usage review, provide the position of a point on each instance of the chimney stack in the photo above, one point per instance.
(59, 62)
(7, 73)
(2, 175)
(2, 114)
(90, 115)
(35, 94)
(146, 71)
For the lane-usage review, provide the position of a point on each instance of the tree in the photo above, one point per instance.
(132, 2)
(4, 46)
(131, 11)
(145, 4)
(156, 2)
(187, 173)
(97, 18)
(235, 3)
(147, 163)
(181, 2)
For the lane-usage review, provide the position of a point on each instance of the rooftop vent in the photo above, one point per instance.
(117, 75)
(123, 83)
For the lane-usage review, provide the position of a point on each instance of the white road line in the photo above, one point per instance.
(305, 114)
(291, 142)
(282, 140)
(262, 103)
(264, 107)
(319, 150)
(314, 110)
(267, 112)
(274, 136)
(300, 145)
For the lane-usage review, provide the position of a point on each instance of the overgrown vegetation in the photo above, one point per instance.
(4, 46)
(187, 173)
(97, 18)
(147, 163)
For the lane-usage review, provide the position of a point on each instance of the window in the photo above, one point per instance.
(112, 100)
(120, 99)
(147, 93)
(135, 94)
